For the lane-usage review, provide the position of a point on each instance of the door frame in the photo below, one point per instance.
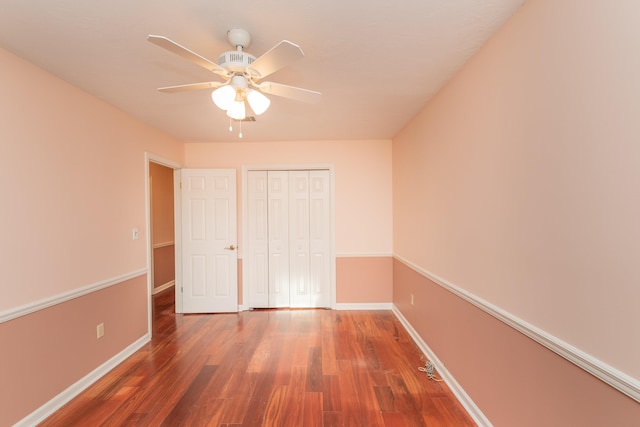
(245, 222)
(154, 158)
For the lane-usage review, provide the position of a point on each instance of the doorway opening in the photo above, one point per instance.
(161, 260)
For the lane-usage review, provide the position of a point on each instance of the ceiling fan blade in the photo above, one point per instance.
(275, 58)
(187, 54)
(192, 86)
(291, 92)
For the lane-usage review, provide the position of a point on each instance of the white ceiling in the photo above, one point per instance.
(376, 62)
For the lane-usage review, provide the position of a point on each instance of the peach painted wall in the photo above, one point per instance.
(363, 195)
(162, 207)
(518, 181)
(162, 237)
(364, 279)
(72, 178)
(362, 174)
(164, 265)
(73, 183)
(511, 378)
(45, 352)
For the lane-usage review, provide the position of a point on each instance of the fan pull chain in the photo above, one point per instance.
(231, 127)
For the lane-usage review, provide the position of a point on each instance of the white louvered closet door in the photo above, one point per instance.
(257, 254)
(299, 238)
(279, 275)
(298, 227)
(319, 238)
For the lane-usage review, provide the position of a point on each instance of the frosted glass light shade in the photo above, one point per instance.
(237, 110)
(257, 101)
(224, 96)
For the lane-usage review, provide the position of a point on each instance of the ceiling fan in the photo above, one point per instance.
(242, 74)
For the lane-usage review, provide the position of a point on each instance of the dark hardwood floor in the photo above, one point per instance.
(268, 368)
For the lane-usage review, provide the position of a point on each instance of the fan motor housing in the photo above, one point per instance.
(235, 60)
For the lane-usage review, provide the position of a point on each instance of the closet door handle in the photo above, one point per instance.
(231, 248)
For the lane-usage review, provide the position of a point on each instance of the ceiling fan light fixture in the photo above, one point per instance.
(257, 101)
(237, 110)
(224, 96)
(243, 74)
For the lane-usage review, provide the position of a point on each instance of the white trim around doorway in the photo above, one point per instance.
(154, 158)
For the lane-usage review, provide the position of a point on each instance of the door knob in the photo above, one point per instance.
(231, 248)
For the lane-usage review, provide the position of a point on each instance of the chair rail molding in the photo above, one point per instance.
(23, 310)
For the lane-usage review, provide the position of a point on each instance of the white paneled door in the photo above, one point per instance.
(209, 256)
(288, 258)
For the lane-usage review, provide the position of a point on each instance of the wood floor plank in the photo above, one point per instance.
(212, 412)
(396, 419)
(333, 419)
(286, 404)
(329, 363)
(184, 406)
(359, 403)
(268, 368)
(282, 370)
(314, 370)
(294, 408)
(331, 399)
(157, 397)
(386, 401)
(259, 400)
(136, 419)
(275, 413)
(312, 415)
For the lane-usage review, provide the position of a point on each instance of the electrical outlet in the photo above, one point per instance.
(411, 299)
(100, 330)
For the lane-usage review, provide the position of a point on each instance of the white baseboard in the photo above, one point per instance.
(464, 399)
(346, 306)
(364, 306)
(364, 255)
(61, 399)
(163, 287)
